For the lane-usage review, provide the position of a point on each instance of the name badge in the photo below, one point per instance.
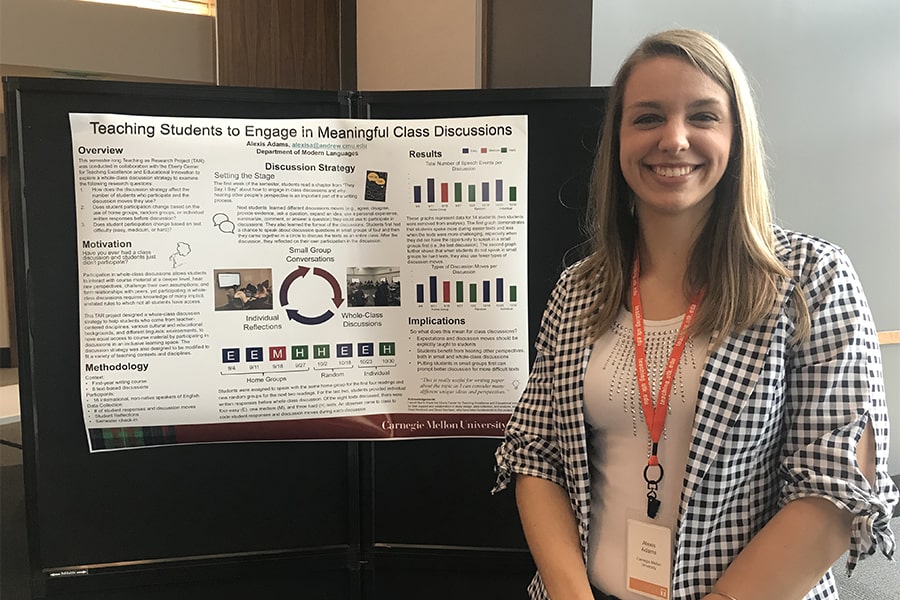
(649, 560)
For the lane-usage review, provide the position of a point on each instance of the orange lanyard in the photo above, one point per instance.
(655, 418)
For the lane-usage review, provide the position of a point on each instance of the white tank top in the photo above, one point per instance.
(620, 443)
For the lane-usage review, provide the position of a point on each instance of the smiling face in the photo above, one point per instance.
(675, 137)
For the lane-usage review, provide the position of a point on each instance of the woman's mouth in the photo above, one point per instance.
(667, 171)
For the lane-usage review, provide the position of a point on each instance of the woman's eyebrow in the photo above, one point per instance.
(644, 104)
(705, 102)
(653, 104)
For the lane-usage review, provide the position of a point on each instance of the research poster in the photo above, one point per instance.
(245, 279)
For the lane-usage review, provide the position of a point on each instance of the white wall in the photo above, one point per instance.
(99, 38)
(418, 44)
(827, 78)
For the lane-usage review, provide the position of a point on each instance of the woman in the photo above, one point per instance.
(763, 458)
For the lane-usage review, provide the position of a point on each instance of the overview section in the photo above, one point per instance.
(247, 279)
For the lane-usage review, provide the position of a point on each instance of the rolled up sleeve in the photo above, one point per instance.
(530, 446)
(835, 388)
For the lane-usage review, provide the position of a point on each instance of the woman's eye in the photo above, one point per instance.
(646, 119)
(706, 117)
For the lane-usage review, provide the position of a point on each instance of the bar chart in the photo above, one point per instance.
(446, 192)
(486, 291)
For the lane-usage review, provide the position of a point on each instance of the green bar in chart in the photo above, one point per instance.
(473, 292)
(459, 292)
(471, 192)
(457, 191)
(512, 290)
(512, 193)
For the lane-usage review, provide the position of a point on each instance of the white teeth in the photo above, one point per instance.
(672, 171)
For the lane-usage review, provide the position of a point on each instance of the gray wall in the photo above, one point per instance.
(827, 80)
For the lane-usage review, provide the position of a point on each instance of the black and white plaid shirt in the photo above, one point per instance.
(774, 421)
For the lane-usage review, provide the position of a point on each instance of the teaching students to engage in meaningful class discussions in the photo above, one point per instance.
(705, 418)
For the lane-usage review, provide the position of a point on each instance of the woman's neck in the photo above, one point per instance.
(665, 246)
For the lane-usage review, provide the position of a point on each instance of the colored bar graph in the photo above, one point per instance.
(446, 291)
(445, 192)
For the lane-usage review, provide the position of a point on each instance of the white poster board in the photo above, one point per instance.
(300, 279)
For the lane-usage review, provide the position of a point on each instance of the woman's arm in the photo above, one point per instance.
(834, 394)
(552, 535)
(795, 548)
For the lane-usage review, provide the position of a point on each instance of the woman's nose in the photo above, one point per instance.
(674, 136)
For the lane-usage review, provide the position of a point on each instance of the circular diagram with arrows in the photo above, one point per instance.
(310, 295)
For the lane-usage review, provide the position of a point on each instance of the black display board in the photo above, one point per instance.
(391, 520)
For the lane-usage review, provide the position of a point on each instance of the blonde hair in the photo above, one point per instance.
(733, 259)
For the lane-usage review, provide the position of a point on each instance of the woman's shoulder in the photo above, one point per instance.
(573, 289)
(576, 277)
(818, 267)
(801, 252)
(573, 270)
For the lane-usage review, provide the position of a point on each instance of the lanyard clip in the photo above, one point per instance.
(652, 485)
(652, 504)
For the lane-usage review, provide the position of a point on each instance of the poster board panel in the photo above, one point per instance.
(165, 504)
